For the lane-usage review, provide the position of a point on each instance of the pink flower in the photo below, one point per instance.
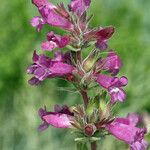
(134, 118)
(50, 15)
(113, 85)
(101, 36)
(55, 41)
(79, 6)
(112, 63)
(37, 22)
(60, 118)
(43, 67)
(124, 129)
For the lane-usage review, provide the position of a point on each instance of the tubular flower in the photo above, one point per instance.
(43, 67)
(124, 129)
(38, 22)
(55, 41)
(112, 63)
(113, 85)
(134, 118)
(60, 118)
(101, 36)
(52, 15)
(79, 6)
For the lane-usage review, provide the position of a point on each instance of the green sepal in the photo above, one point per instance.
(73, 49)
(93, 104)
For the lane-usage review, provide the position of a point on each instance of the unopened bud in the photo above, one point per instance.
(90, 129)
(90, 61)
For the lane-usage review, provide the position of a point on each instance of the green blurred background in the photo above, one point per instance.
(19, 101)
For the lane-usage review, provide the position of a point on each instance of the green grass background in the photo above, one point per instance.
(19, 101)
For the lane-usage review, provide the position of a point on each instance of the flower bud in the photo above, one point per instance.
(90, 129)
(90, 60)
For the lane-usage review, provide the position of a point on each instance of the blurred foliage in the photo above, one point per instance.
(19, 101)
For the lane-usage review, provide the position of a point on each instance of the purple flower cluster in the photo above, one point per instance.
(43, 67)
(82, 72)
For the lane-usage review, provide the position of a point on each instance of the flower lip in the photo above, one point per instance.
(60, 118)
(105, 33)
(44, 67)
(123, 129)
(79, 6)
(114, 86)
(111, 63)
(55, 41)
(39, 3)
(51, 15)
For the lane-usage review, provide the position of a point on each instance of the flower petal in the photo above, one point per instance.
(37, 22)
(43, 126)
(123, 81)
(40, 3)
(104, 80)
(105, 33)
(112, 63)
(122, 131)
(61, 69)
(134, 118)
(79, 6)
(34, 81)
(102, 44)
(117, 94)
(48, 45)
(58, 120)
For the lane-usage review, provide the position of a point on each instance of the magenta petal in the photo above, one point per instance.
(51, 16)
(112, 63)
(123, 120)
(34, 81)
(104, 80)
(35, 57)
(143, 145)
(40, 3)
(58, 56)
(43, 126)
(102, 44)
(105, 33)
(117, 94)
(58, 120)
(122, 131)
(64, 41)
(40, 73)
(48, 45)
(124, 81)
(31, 69)
(55, 41)
(79, 6)
(58, 21)
(60, 69)
(134, 118)
(37, 22)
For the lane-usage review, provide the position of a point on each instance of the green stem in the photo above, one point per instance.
(93, 146)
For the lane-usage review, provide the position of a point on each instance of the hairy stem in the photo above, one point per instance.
(93, 146)
(85, 97)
